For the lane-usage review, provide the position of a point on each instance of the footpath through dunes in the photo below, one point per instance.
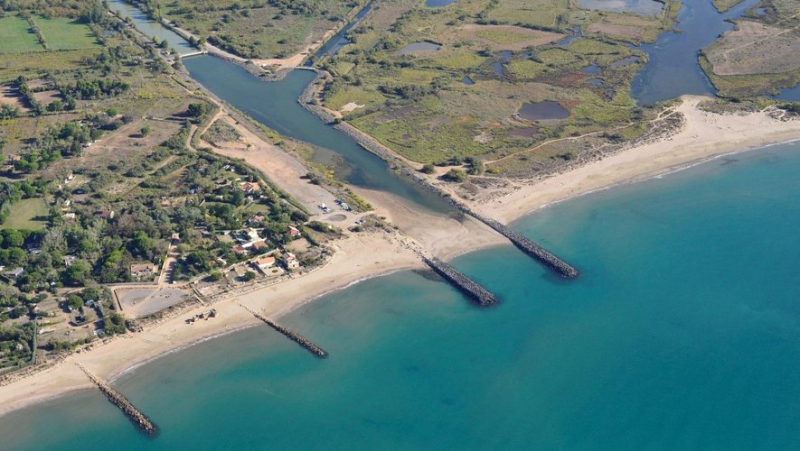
(294, 336)
(137, 418)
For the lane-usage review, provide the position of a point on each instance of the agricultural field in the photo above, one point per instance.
(255, 29)
(62, 33)
(16, 36)
(440, 84)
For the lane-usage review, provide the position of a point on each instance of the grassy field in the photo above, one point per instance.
(16, 36)
(28, 214)
(62, 33)
(263, 30)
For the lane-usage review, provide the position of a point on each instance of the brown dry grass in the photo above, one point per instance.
(753, 48)
(625, 31)
(47, 97)
(532, 38)
(10, 96)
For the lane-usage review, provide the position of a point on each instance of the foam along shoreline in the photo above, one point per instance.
(704, 136)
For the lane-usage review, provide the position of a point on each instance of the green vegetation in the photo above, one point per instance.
(724, 5)
(221, 132)
(63, 33)
(30, 214)
(16, 36)
(259, 28)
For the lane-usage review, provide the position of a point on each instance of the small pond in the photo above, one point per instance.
(542, 111)
(437, 3)
(648, 8)
(595, 81)
(591, 70)
(467, 81)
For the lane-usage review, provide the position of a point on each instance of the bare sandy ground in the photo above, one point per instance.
(366, 255)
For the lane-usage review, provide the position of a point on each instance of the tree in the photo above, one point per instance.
(215, 276)
(74, 301)
(12, 238)
(77, 273)
(455, 175)
(197, 109)
(248, 276)
(145, 130)
(114, 324)
(428, 169)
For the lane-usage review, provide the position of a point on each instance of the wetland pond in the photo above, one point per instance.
(543, 111)
(438, 3)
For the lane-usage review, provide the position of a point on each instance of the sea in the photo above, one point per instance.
(682, 333)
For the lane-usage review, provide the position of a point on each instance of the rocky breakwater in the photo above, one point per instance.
(475, 292)
(539, 253)
(294, 336)
(138, 418)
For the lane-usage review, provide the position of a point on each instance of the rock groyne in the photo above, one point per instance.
(294, 336)
(475, 292)
(526, 245)
(138, 418)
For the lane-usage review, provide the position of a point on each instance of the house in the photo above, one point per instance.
(294, 232)
(69, 216)
(239, 249)
(176, 238)
(291, 260)
(250, 187)
(69, 260)
(105, 214)
(259, 245)
(15, 273)
(264, 263)
(13, 159)
(256, 220)
(142, 271)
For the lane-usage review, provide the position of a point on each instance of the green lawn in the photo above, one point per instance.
(28, 214)
(62, 33)
(16, 36)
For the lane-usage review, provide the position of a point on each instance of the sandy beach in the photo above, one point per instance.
(704, 136)
(361, 256)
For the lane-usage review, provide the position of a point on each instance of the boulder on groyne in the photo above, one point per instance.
(475, 292)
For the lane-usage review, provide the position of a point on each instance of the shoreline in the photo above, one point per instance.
(703, 137)
(365, 256)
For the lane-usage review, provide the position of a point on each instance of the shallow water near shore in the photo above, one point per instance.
(683, 332)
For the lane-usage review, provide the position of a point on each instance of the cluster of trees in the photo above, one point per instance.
(64, 140)
(95, 89)
(16, 344)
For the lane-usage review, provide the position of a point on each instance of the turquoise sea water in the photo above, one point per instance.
(683, 332)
